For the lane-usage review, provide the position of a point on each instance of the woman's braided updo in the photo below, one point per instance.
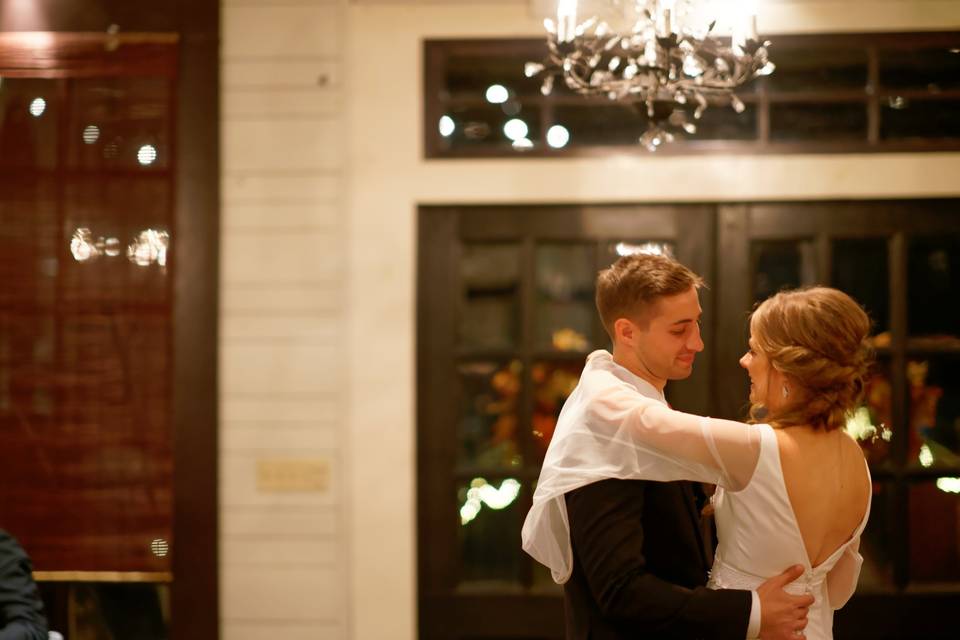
(817, 337)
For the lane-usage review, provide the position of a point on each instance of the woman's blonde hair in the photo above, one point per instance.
(817, 337)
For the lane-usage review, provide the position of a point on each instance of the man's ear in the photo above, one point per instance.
(625, 331)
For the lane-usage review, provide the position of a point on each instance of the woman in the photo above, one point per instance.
(792, 489)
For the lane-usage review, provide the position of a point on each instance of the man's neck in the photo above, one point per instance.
(629, 361)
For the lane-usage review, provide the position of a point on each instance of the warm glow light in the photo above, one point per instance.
(497, 94)
(566, 20)
(926, 456)
(147, 154)
(653, 248)
(82, 245)
(447, 126)
(160, 547)
(112, 149)
(37, 107)
(515, 129)
(569, 340)
(859, 425)
(949, 485)
(558, 136)
(481, 493)
(523, 143)
(91, 134)
(149, 247)
(31, 39)
(112, 247)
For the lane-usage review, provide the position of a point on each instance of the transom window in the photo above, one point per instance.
(830, 93)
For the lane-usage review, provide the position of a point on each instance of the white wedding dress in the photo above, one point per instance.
(615, 425)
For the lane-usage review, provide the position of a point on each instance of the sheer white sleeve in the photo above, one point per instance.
(843, 577)
(721, 452)
(609, 430)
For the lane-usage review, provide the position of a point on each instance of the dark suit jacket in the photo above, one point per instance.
(21, 610)
(640, 566)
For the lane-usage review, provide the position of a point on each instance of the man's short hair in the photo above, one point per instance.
(633, 284)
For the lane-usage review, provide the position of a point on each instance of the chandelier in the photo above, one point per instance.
(660, 55)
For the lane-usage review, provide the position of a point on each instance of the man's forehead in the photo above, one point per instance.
(684, 307)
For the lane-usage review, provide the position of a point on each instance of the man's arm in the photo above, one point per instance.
(606, 530)
(21, 610)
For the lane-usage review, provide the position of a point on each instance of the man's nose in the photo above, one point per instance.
(696, 342)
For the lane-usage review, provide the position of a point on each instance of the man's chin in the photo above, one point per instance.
(682, 372)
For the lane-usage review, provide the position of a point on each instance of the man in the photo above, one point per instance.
(639, 559)
(21, 610)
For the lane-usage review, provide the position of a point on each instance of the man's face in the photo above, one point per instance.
(668, 343)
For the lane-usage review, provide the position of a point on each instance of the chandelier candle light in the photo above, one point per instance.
(662, 55)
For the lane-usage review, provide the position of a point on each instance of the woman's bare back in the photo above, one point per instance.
(828, 486)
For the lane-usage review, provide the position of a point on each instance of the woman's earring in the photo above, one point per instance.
(786, 392)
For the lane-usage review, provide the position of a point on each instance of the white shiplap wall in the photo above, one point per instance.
(283, 569)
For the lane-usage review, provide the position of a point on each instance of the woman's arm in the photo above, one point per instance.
(843, 577)
(730, 450)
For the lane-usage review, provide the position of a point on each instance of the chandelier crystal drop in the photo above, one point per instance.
(663, 56)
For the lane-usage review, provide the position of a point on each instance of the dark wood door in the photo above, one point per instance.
(901, 261)
(506, 318)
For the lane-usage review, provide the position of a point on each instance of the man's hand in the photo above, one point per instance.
(782, 616)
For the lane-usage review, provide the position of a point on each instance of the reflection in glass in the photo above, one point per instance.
(483, 494)
(82, 245)
(933, 289)
(489, 540)
(919, 119)
(872, 423)
(558, 136)
(471, 76)
(111, 610)
(553, 382)
(601, 124)
(516, 129)
(149, 247)
(818, 121)
(490, 282)
(491, 125)
(147, 154)
(497, 94)
(37, 107)
(565, 276)
(159, 547)
(779, 265)
(934, 531)
(91, 133)
(488, 420)
(818, 68)
(610, 252)
(932, 70)
(447, 126)
(876, 544)
(860, 268)
(29, 135)
(127, 116)
(934, 386)
(726, 124)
